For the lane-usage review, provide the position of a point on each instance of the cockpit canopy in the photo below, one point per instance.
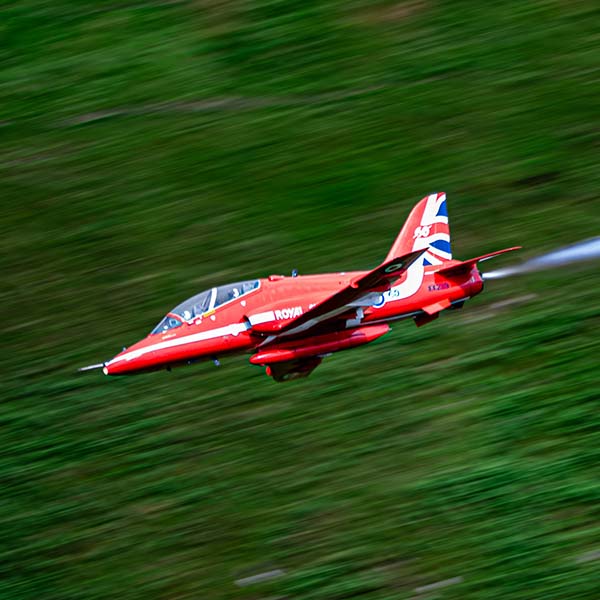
(204, 302)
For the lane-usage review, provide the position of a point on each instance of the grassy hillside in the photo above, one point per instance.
(153, 148)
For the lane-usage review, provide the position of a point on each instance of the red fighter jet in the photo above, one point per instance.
(288, 324)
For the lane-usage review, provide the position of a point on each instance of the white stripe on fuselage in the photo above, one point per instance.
(263, 317)
(235, 329)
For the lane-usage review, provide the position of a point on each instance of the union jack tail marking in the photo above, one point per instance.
(426, 227)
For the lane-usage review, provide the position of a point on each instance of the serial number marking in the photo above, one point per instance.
(436, 287)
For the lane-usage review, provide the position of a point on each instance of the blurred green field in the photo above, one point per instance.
(154, 148)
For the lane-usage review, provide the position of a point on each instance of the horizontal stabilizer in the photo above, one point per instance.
(467, 265)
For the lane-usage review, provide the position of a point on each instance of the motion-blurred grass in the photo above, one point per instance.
(151, 149)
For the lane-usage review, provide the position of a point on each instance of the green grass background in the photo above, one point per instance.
(151, 149)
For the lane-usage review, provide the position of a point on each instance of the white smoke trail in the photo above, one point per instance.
(582, 251)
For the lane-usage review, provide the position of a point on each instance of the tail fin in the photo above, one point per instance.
(426, 227)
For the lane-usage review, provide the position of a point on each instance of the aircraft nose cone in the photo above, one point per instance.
(133, 359)
(119, 366)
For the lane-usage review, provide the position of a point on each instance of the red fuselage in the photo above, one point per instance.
(248, 320)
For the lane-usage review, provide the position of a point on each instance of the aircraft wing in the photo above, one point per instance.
(376, 281)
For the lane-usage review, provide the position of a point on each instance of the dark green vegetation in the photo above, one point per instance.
(248, 138)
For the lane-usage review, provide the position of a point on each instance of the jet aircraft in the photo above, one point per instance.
(288, 324)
